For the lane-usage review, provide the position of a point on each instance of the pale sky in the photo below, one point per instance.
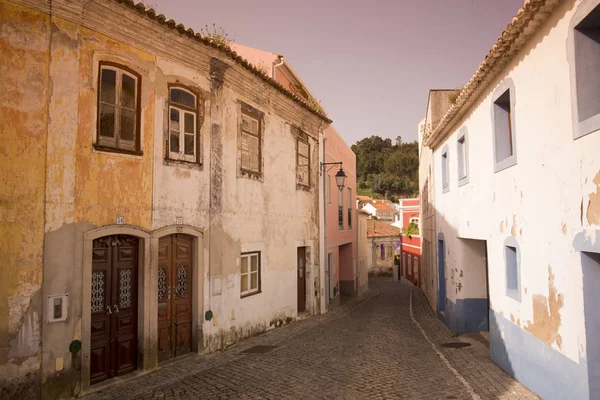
(370, 63)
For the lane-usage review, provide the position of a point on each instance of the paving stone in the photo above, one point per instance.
(366, 348)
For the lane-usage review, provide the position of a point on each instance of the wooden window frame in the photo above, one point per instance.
(258, 289)
(349, 208)
(298, 156)
(257, 117)
(195, 159)
(101, 144)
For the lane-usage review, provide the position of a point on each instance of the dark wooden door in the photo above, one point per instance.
(174, 296)
(114, 307)
(301, 279)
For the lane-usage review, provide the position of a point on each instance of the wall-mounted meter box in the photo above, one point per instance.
(56, 307)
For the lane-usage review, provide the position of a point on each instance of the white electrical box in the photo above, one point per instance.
(56, 307)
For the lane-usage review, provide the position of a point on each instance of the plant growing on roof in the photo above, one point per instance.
(217, 35)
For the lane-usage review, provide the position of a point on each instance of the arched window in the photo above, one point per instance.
(183, 117)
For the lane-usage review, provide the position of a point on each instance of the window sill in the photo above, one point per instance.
(463, 181)
(514, 294)
(256, 176)
(445, 189)
(105, 149)
(300, 186)
(505, 164)
(250, 294)
(183, 163)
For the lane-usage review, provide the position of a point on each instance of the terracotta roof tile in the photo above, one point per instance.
(382, 207)
(380, 229)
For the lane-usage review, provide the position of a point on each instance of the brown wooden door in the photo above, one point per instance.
(174, 296)
(301, 279)
(114, 307)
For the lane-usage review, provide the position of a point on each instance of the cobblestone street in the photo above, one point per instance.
(385, 345)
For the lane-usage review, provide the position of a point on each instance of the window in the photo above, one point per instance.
(341, 209)
(329, 188)
(445, 176)
(383, 251)
(349, 208)
(118, 109)
(250, 273)
(504, 127)
(388, 251)
(183, 119)
(512, 260)
(586, 49)
(463, 157)
(250, 141)
(302, 162)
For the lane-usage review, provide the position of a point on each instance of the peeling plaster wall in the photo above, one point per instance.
(543, 202)
(24, 37)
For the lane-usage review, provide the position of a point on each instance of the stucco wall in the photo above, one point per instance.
(543, 202)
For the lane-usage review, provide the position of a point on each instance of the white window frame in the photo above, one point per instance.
(445, 170)
(250, 290)
(462, 156)
(183, 110)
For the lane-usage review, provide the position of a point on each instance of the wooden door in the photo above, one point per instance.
(114, 307)
(301, 279)
(174, 296)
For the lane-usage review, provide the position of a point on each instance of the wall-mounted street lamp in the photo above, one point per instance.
(340, 176)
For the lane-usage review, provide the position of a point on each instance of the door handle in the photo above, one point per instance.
(116, 308)
(108, 310)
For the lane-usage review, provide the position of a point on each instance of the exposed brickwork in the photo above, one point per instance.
(365, 348)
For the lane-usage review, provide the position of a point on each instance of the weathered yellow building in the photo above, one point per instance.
(156, 195)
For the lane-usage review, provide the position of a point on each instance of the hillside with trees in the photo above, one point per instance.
(387, 170)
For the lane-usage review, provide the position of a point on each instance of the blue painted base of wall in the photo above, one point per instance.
(467, 315)
(535, 364)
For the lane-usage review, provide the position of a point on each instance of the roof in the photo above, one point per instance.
(382, 207)
(364, 198)
(256, 57)
(380, 229)
(522, 27)
(150, 13)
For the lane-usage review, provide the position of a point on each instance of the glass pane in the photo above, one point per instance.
(128, 91)
(174, 142)
(303, 175)
(254, 281)
(302, 162)
(254, 263)
(244, 265)
(249, 124)
(107, 86)
(189, 123)
(182, 97)
(303, 149)
(244, 283)
(107, 120)
(127, 125)
(188, 148)
(174, 117)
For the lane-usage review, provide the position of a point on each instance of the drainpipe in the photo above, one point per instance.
(325, 251)
(277, 65)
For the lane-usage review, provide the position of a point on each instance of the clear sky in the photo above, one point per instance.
(370, 63)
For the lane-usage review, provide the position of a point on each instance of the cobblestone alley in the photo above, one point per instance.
(385, 345)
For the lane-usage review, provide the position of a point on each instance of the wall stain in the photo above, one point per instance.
(502, 227)
(546, 314)
(564, 228)
(513, 230)
(593, 211)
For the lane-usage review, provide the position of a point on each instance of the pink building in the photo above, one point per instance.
(409, 211)
(341, 275)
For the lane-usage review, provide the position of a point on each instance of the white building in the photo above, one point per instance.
(516, 181)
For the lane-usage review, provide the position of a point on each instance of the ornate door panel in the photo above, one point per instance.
(174, 296)
(114, 307)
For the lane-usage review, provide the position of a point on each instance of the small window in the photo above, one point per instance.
(118, 109)
(183, 120)
(388, 251)
(512, 259)
(250, 273)
(250, 141)
(445, 176)
(504, 127)
(341, 208)
(383, 251)
(463, 158)
(302, 162)
(586, 36)
(349, 208)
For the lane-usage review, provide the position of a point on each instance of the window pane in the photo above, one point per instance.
(244, 265)
(188, 148)
(174, 142)
(127, 125)
(244, 283)
(302, 161)
(303, 175)
(189, 123)
(182, 97)
(174, 118)
(303, 149)
(254, 281)
(107, 87)
(107, 120)
(249, 124)
(128, 92)
(254, 263)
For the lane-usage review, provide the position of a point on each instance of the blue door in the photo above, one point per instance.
(442, 279)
